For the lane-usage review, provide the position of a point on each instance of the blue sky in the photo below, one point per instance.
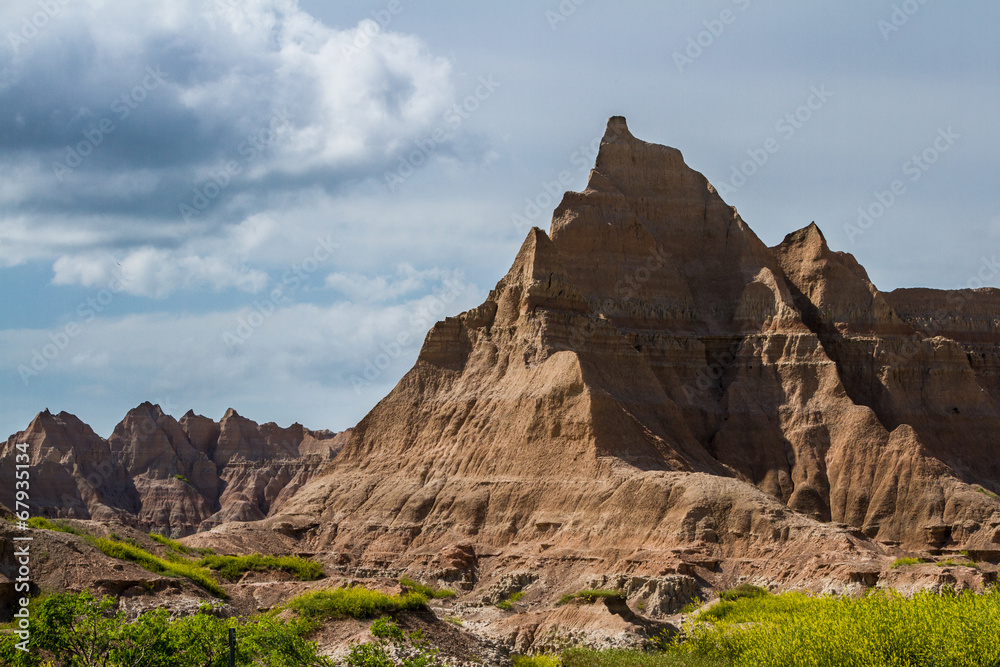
(265, 204)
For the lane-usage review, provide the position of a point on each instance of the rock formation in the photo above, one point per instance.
(160, 473)
(650, 381)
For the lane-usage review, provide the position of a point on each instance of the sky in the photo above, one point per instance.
(265, 204)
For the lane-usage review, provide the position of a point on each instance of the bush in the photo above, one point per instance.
(624, 658)
(590, 596)
(743, 591)
(232, 567)
(536, 661)
(878, 629)
(425, 590)
(900, 562)
(79, 630)
(356, 602)
(384, 628)
(170, 544)
(41, 523)
(141, 557)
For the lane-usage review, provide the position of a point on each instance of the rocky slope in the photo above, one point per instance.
(650, 389)
(156, 472)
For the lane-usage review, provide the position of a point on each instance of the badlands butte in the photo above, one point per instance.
(651, 400)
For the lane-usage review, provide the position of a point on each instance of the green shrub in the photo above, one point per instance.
(356, 602)
(141, 557)
(170, 544)
(878, 629)
(590, 596)
(78, 630)
(900, 562)
(42, 523)
(183, 479)
(232, 567)
(546, 660)
(426, 590)
(578, 657)
(743, 591)
(514, 597)
(505, 605)
(385, 628)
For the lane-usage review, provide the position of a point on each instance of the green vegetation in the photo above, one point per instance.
(900, 562)
(879, 629)
(42, 523)
(743, 591)
(355, 602)
(425, 590)
(692, 606)
(125, 551)
(623, 658)
(79, 630)
(506, 605)
(170, 544)
(183, 479)
(232, 567)
(546, 660)
(377, 653)
(132, 551)
(590, 596)
(514, 597)
(989, 494)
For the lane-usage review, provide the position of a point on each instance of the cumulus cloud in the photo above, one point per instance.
(158, 128)
(406, 280)
(320, 365)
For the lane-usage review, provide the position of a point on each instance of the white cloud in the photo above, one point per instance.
(388, 288)
(153, 272)
(188, 89)
(300, 362)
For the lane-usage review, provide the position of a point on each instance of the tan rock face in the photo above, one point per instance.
(159, 473)
(650, 377)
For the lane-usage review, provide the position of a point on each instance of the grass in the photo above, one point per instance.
(355, 602)
(426, 590)
(232, 567)
(170, 544)
(579, 657)
(880, 629)
(183, 479)
(42, 523)
(506, 605)
(949, 562)
(900, 562)
(536, 661)
(590, 596)
(743, 591)
(989, 494)
(124, 551)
